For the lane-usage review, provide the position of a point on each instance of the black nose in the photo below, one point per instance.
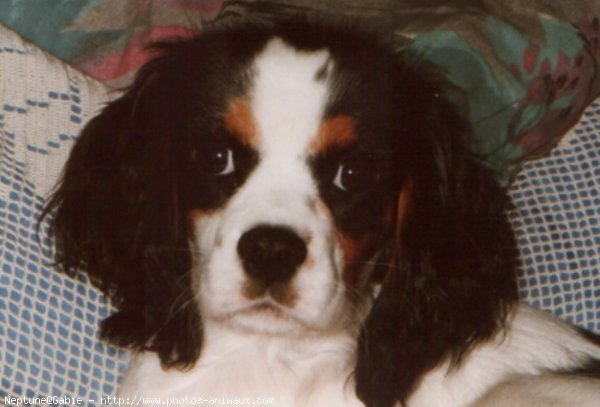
(271, 254)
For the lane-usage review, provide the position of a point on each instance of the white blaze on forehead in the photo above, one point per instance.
(287, 99)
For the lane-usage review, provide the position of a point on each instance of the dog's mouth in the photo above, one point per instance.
(265, 316)
(275, 295)
(268, 308)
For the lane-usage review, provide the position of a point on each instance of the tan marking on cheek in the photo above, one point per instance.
(240, 122)
(319, 206)
(195, 215)
(356, 252)
(335, 132)
(397, 214)
(402, 210)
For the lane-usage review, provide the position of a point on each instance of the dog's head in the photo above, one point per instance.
(282, 180)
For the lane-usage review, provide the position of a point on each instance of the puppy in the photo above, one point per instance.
(290, 211)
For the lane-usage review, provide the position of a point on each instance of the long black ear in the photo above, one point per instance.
(453, 276)
(118, 218)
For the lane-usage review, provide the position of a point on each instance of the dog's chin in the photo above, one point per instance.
(267, 318)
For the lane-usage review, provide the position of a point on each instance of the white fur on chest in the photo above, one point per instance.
(291, 372)
(533, 345)
(317, 371)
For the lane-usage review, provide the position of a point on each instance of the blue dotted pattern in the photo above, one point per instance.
(557, 221)
(49, 343)
(73, 97)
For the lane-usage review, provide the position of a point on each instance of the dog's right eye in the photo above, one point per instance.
(218, 162)
(221, 162)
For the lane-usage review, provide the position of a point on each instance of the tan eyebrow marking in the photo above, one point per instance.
(335, 132)
(240, 122)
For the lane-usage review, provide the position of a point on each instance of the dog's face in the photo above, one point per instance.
(290, 236)
(268, 179)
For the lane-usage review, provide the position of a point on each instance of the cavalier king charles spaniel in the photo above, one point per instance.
(290, 210)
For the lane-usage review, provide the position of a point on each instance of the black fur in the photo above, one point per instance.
(452, 280)
(589, 369)
(121, 207)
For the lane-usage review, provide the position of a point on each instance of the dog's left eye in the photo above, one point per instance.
(342, 177)
(349, 178)
(356, 175)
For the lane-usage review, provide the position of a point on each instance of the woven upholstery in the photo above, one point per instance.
(48, 323)
(557, 221)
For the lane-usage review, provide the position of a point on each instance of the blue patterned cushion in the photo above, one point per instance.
(557, 221)
(48, 338)
(48, 323)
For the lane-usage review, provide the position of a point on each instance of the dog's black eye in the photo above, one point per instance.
(221, 162)
(217, 162)
(353, 178)
(343, 177)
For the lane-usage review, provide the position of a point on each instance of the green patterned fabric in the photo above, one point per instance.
(521, 101)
